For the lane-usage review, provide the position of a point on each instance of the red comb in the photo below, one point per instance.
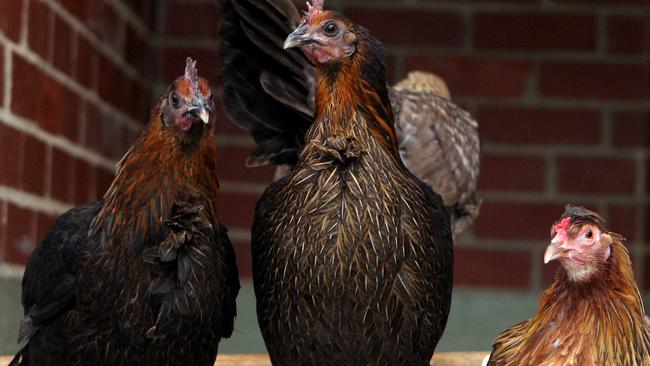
(314, 7)
(562, 226)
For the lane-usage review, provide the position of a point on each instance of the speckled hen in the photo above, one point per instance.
(147, 276)
(352, 254)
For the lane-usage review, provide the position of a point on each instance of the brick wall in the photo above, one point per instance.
(560, 88)
(74, 93)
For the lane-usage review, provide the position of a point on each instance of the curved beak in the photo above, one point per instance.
(554, 250)
(552, 253)
(201, 112)
(298, 37)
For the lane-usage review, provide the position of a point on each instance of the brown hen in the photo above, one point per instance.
(352, 254)
(592, 314)
(270, 92)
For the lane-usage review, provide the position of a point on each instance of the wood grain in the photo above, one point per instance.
(440, 359)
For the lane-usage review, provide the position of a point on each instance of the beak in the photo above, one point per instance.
(201, 112)
(297, 37)
(552, 253)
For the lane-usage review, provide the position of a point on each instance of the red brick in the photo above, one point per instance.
(111, 80)
(244, 259)
(143, 105)
(646, 274)
(3, 230)
(93, 127)
(62, 176)
(134, 100)
(534, 125)
(476, 76)
(492, 268)
(173, 63)
(33, 171)
(411, 27)
(21, 234)
(86, 57)
(41, 98)
(77, 8)
(84, 182)
(43, 224)
(231, 166)
(622, 220)
(63, 38)
(523, 173)
(103, 21)
(192, 20)
(52, 104)
(39, 35)
(236, 210)
(70, 118)
(104, 180)
(628, 34)
(596, 175)
(506, 220)
(136, 50)
(594, 80)
(145, 9)
(11, 142)
(534, 31)
(10, 18)
(2, 74)
(26, 93)
(631, 129)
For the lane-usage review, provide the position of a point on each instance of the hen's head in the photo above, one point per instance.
(580, 242)
(187, 109)
(323, 35)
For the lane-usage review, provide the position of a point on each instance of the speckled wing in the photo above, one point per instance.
(439, 143)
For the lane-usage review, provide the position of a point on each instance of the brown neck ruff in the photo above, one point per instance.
(355, 88)
(155, 173)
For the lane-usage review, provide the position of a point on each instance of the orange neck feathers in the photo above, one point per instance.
(155, 173)
(600, 321)
(357, 85)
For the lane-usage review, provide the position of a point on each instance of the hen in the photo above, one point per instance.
(147, 276)
(352, 254)
(270, 92)
(592, 314)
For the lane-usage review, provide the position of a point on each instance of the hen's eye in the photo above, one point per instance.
(176, 102)
(330, 29)
(589, 234)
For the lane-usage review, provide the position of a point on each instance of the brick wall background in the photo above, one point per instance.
(561, 90)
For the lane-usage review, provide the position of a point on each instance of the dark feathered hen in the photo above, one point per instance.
(352, 254)
(148, 275)
(270, 92)
(592, 314)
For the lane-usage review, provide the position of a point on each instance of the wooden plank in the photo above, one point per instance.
(439, 359)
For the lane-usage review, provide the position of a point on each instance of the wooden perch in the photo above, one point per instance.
(440, 359)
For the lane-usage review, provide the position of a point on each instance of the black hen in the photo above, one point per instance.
(148, 275)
